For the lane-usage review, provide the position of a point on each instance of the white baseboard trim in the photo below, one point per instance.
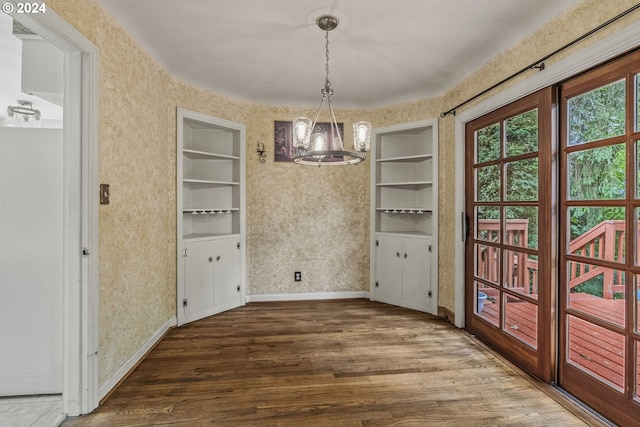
(306, 296)
(106, 387)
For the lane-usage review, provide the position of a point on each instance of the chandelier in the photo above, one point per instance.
(23, 115)
(318, 146)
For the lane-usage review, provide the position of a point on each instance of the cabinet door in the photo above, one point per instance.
(198, 277)
(416, 271)
(389, 267)
(226, 272)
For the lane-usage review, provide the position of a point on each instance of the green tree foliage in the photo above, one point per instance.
(521, 137)
(599, 173)
(594, 174)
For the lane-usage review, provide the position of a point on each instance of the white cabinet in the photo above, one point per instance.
(404, 221)
(211, 277)
(403, 272)
(210, 215)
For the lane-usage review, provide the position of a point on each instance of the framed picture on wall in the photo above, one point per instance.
(283, 136)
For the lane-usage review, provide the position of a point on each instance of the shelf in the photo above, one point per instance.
(403, 233)
(404, 184)
(205, 236)
(197, 155)
(204, 181)
(418, 211)
(208, 211)
(407, 159)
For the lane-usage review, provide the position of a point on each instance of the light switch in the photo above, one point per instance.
(104, 194)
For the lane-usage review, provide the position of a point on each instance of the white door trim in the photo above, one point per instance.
(590, 56)
(80, 388)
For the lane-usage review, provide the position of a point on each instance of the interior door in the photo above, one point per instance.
(600, 252)
(509, 269)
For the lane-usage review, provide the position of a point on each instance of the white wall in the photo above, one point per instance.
(31, 260)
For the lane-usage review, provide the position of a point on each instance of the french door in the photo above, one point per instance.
(599, 264)
(510, 274)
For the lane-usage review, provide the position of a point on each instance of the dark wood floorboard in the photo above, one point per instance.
(324, 363)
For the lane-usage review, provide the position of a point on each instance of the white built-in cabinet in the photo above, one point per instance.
(404, 215)
(211, 215)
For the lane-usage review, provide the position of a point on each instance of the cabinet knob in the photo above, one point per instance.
(398, 254)
(405, 256)
(218, 258)
(210, 259)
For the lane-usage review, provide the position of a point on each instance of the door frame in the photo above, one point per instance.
(80, 135)
(607, 48)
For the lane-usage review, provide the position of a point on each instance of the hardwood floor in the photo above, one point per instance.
(324, 363)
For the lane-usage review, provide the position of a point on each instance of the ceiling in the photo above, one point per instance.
(382, 53)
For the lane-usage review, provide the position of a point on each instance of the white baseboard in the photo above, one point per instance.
(306, 296)
(136, 357)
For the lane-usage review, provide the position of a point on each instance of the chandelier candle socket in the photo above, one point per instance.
(315, 148)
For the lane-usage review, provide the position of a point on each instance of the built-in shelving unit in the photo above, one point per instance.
(211, 214)
(404, 180)
(210, 176)
(404, 186)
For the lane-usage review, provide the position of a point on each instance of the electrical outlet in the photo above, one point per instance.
(297, 276)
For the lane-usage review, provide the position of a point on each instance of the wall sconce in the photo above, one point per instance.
(261, 153)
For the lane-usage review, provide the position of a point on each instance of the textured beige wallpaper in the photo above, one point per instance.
(308, 219)
(136, 263)
(305, 218)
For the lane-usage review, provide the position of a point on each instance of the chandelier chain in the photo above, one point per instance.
(327, 83)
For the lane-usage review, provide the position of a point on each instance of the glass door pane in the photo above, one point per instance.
(508, 275)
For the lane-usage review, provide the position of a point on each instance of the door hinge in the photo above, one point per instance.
(430, 248)
(238, 245)
(184, 302)
(86, 252)
(238, 288)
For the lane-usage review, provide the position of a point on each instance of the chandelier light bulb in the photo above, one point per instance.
(361, 136)
(302, 128)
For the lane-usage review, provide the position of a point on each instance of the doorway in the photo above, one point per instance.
(598, 251)
(77, 204)
(31, 213)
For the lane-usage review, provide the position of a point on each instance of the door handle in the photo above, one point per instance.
(465, 226)
(218, 258)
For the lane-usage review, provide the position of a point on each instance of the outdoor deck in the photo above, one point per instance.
(591, 348)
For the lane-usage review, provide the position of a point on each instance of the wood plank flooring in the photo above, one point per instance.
(324, 363)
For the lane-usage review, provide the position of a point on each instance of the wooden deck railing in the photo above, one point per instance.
(605, 241)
